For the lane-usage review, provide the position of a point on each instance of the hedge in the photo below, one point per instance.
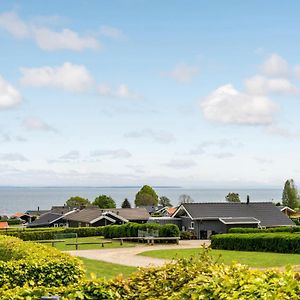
(195, 278)
(131, 230)
(50, 233)
(267, 230)
(27, 263)
(265, 242)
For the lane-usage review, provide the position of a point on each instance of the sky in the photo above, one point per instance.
(130, 92)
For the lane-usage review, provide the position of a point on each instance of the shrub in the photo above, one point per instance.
(266, 242)
(34, 234)
(186, 235)
(131, 230)
(27, 263)
(194, 278)
(268, 230)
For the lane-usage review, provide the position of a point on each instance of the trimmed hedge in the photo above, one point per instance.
(267, 230)
(265, 242)
(131, 230)
(26, 263)
(49, 233)
(194, 278)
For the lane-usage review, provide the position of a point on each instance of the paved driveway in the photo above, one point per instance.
(129, 256)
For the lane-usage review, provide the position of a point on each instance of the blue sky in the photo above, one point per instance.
(189, 93)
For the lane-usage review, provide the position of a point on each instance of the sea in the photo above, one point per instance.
(21, 199)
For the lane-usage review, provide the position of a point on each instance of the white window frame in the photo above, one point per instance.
(192, 225)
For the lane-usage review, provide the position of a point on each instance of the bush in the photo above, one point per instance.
(27, 263)
(131, 230)
(194, 278)
(265, 242)
(186, 235)
(34, 234)
(268, 230)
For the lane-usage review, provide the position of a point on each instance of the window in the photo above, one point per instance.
(192, 225)
(55, 225)
(183, 228)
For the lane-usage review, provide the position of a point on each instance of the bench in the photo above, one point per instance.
(122, 239)
(88, 243)
(149, 240)
(52, 242)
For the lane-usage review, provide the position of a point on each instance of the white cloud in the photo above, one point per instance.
(223, 155)
(10, 22)
(112, 32)
(275, 66)
(72, 155)
(183, 73)
(117, 153)
(180, 164)
(158, 136)
(47, 39)
(282, 132)
(33, 123)
(68, 76)
(228, 105)
(121, 91)
(13, 157)
(9, 96)
(261, 85)
(44, 37)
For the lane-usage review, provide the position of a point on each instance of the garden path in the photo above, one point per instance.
(130, 257)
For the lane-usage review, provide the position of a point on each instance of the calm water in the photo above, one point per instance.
(13, 199)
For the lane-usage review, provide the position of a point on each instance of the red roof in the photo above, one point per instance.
(171, 210)
(4, 225)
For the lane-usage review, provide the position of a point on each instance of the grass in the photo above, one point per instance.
(252, 259)
(64, 247)
(105, 270)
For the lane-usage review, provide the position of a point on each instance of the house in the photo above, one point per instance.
(287, 210)
(50, 219)
(24, 217)
(3, 225)
(95, 216)
(205, 219)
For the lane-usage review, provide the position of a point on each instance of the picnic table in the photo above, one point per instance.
(76, 244)
(52, 242)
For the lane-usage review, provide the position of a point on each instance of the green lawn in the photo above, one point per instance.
(104, 269)
(64, 247)
(252, 259)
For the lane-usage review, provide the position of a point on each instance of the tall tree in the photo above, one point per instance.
(104, 201)
(126, 204)
(184, 198)
(146, 196)
(233, 197)
(77, 201)
(290, 195)
(165, 201)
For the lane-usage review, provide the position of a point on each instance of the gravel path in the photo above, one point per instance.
(129, 256)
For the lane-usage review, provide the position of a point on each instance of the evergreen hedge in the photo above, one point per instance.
(35, 234)
(267, 230)
(26, 263)
(283, 242)
(131, 230)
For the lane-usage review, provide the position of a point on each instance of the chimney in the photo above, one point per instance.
(248, 199)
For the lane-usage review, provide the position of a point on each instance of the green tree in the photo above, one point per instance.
(233, 197)
(126, 204)
(77, 201)
(146, 196)
(165, 201)
(104, 201)
(184, 198)
(290, 196)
